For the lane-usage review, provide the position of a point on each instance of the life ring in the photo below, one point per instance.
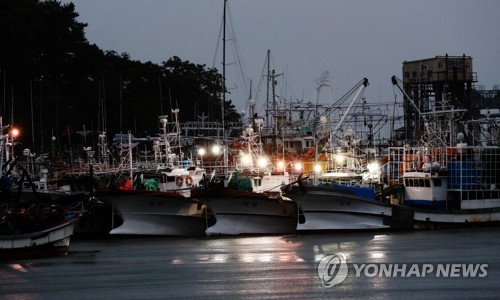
(179, 181)
(189, 181)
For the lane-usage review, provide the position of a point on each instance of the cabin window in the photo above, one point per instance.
(163, 179)
(415, 182)
(414, 74)
(421, 182)
(427, 183)
(407, 74)
(437, 182)
(406, 182)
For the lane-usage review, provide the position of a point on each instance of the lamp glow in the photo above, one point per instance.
(216, 149)
(246, 159)
(15, 132)
(372, 167)
(262, 161)
(339, 158)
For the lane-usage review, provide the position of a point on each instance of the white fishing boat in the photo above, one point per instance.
(141, 212)
(340, 192)
(240, 212)
(340, 207)
(449, 185)
(28, 229)
(451, 175)
(52, 241)
(153, 198)
(248, 200)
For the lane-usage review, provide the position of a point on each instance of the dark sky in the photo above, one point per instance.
(351, 39)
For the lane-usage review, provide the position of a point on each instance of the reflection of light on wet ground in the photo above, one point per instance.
(269, 249)
(377, 255)
(320, 251)
(265, 240)
(18, 267)
(381, 237)
(243, 258)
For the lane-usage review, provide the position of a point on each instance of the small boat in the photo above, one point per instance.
(27, 234)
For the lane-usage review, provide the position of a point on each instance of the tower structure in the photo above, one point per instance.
(434, 84)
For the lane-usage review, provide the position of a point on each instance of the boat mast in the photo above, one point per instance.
(223, 65)
(267, 90)
(224, 93)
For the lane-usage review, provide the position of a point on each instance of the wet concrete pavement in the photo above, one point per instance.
(271, 267)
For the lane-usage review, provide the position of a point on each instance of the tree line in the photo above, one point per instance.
(53, 81)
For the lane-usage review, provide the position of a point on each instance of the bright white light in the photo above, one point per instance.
(201, 151)
(317, 168)
(262, 161)
(281, 164)
(339, 158)
(297, 166)
(373, 167)
(246, 159)
(216, 149)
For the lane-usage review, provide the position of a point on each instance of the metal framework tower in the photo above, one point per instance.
(434, 83)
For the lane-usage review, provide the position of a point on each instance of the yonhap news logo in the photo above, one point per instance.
(333, 270)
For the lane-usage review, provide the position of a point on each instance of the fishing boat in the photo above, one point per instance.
(47, 242)
(142, 212)
(451, 174)
(153, 198)
(340, 192)
(28, 229)
(449, 185)
(247, 198)
(242, 212)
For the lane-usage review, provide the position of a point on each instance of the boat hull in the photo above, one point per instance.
(248, 213)
(325, 209)
(50, 242)
(156, 213)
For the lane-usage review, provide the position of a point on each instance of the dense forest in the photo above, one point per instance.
(55, 82)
